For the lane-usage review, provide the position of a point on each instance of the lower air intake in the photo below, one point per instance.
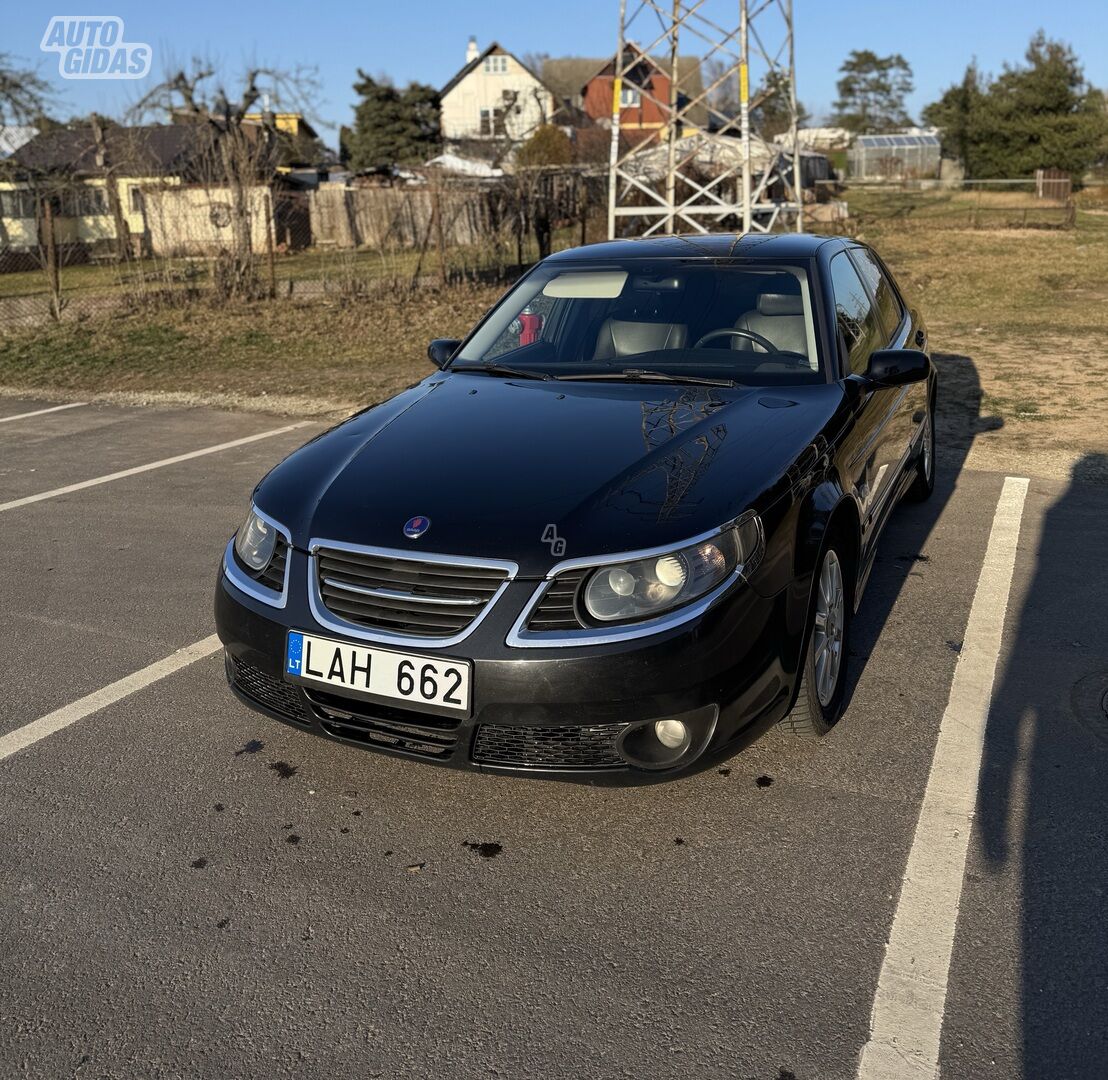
(569, 747)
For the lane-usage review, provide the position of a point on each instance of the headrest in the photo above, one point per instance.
(770, 303)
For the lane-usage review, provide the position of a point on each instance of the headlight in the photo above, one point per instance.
(630, 591)
(255, 541)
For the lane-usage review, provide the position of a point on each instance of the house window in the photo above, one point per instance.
(136, 199)
(492, 122)
(629, 97)
(84, 201)
(496, 65)
(17, 204)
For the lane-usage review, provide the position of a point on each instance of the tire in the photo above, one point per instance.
(815, 713)
(924, 483)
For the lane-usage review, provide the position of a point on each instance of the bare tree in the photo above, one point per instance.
(238, 153)
(24, 94)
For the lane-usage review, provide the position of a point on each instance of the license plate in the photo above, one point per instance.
(405, 678)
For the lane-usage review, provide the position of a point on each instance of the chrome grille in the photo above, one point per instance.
(412, 597)
(557, 610)
(273, 576)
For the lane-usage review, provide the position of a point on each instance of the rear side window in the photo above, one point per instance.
(887, 303)
(855, 316)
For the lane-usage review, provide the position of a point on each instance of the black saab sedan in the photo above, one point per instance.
(622, 528)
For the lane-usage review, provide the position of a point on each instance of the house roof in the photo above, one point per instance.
(13, 136)
(152, 150)
(495, 47)
(568, 76)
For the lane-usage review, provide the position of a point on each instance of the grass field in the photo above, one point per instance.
(1023, 315)
(1019, 318)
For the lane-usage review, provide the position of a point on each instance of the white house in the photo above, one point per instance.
(494, 96)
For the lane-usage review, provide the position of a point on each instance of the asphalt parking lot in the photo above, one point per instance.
(190, 889)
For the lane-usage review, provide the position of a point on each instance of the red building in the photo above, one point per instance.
(644, 92)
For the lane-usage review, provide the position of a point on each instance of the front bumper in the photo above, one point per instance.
(558, 711)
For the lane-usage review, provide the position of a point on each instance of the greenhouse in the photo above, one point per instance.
(894, 157)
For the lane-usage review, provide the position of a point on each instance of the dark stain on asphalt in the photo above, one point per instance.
(388, 853)
(678, 840)
(344, 829)
(724, 772)
(786, 1074)
(954, 646)
(219, 808)
(488, 850)
(198, 864)
(764, 781)
(252, 747)
(357, 813)
(283, 769)
(292, 838)
(223, 924)
(917, 557)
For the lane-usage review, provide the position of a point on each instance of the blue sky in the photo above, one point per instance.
(425, 39)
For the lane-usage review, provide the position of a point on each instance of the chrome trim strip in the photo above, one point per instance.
(329, 620)
(245, 583)
(521, 638)
(399, 594)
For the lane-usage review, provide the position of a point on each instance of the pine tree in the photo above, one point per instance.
(391, 126)
(771, 117)
(1039, 115)
(872, 92)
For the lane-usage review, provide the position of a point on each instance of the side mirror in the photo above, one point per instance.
(442, 349)
(898, 367)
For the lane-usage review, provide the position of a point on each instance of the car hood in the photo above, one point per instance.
(503, 468)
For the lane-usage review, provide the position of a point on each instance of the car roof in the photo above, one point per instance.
(701, 245)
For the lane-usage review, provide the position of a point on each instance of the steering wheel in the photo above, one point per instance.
(729, 333)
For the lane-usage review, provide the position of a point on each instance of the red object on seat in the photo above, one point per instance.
(530, 326)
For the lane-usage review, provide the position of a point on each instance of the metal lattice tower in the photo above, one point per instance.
(699, 168)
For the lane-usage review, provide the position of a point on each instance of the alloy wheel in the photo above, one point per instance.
(827, 633)
(928, 446)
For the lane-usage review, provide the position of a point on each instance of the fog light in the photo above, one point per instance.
(671, 733)
(669, 743)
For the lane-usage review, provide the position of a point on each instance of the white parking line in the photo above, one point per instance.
(42, 412)
(61, 718)
(908, 1007)
(28, 499)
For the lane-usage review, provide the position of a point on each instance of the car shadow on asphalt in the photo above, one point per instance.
(958, 423)
(1043, 785)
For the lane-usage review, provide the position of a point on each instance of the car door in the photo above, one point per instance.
(872, 449)
(907, 421)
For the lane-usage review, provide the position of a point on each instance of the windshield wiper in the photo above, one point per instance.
(649, 375)
(493, 368)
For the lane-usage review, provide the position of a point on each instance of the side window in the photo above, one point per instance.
(855, 316)
(887, 303)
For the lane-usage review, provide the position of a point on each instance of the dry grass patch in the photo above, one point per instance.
(277, 356)
(1024, 317)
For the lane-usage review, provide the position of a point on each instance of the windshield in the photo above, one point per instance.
(679, 319)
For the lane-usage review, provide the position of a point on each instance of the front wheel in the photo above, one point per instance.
(819, 701)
